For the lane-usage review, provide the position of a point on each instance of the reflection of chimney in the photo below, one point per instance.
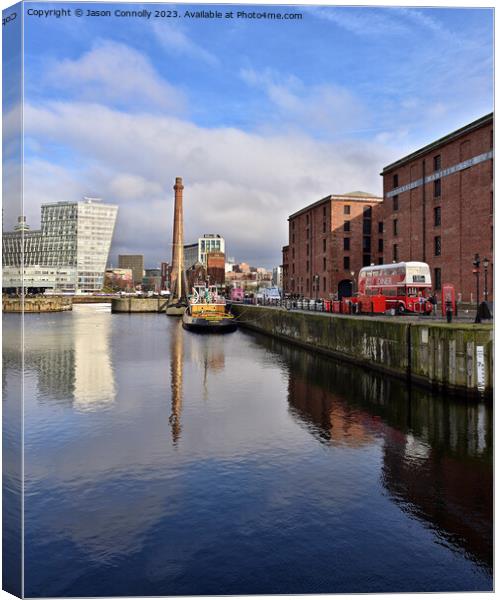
(176, 375)
(178, 244)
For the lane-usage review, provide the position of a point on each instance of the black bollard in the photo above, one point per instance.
(449, 312)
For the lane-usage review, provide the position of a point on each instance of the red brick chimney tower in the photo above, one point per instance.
(177, 275)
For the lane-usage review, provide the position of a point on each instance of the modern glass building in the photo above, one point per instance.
(67, 254)
(210, 242)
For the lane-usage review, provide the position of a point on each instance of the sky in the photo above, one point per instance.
(260, 117)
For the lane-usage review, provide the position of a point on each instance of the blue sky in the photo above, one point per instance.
(260, 117)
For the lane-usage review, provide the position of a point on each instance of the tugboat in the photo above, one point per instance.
(207, 312)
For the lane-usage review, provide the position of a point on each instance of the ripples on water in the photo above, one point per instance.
(163, 462)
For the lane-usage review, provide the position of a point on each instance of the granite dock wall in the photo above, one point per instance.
(139, 305)
(457, 356)
(36, 305)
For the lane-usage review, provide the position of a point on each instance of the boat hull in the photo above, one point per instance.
(202, 325)
(176, 310)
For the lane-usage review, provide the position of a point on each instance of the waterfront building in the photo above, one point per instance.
(165, 275)
(134, 262)
(151, 282)
(67, 254)
(196, 275)
(191, 255)
(197, 252)
(277, 277)
(329, 241)
(438, 207)
(230, 262)
(216, 262)
(119, 279)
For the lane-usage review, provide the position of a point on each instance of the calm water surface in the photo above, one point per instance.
(161, 462)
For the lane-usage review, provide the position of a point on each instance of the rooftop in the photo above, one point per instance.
(349, 196)
(440, 142)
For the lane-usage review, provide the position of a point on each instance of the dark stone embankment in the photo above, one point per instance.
(456, 357)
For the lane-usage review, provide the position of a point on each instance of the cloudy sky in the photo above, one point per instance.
(259, 117)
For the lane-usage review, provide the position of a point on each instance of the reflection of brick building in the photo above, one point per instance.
(216, 268)
(329, 241)
(445, 220)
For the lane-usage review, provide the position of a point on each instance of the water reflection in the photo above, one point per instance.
(176, 373)
(235, 465)
(94, 384)
(71, 357)
(436, 451)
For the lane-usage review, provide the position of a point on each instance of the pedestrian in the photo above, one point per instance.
(433, 300)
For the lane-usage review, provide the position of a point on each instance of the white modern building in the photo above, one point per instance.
(197, 252)
(277, 279)
(67, 254)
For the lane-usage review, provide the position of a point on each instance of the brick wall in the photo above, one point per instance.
(444, 224)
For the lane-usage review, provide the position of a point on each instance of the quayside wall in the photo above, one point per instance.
(36, 305)
(138, 305)
(456, 356)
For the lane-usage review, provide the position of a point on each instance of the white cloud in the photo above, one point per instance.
(174, 40)
(325, 108)
(362, 20)
(113, 72)
(238, 184)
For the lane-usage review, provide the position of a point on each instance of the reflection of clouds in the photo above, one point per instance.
(94, 386)
(108, 529)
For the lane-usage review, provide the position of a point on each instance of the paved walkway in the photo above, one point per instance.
(464, 316)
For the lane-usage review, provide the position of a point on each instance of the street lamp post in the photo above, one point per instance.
(477, 263)
(486, 264)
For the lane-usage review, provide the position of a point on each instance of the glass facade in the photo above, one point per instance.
(210, 242)
(68, 253)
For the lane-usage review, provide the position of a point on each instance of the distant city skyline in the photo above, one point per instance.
(117, 108)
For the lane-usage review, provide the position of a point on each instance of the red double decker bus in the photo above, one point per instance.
(405, 286)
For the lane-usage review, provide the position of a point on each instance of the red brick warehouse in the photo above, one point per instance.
(438, 207)
(329, 241)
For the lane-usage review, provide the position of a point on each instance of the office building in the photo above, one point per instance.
(134, 262)
(151, 282)
(165, 275)
(277, 277)
(197, 252)
(67, 254)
